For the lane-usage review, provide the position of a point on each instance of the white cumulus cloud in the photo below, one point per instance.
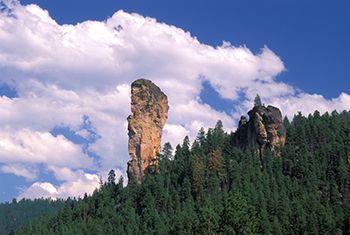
(73, 183)
(26, 146)
(25, 171)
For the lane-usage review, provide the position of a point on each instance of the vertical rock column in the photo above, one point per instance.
(149, 107)
(264, 130)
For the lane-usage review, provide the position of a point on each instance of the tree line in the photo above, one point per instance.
(211, 186)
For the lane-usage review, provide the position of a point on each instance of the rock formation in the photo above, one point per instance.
(264, 130)
(149, 107)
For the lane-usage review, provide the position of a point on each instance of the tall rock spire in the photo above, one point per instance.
(149, 107)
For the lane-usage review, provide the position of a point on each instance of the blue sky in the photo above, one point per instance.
(311, 37)
(65, 75)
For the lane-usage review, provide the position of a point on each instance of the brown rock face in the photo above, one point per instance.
(264, 130)
(149, 107)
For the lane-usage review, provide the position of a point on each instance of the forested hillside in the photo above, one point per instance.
(15, 214)
(214, 187)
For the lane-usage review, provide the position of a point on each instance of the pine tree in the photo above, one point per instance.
(257, 101)
(167, 151)
(111, 177)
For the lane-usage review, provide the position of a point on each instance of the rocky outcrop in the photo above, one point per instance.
(149, 107)
(264, 130)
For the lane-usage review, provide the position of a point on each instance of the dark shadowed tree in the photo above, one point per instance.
(257, 101)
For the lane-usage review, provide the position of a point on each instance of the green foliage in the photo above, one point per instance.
(167, 151)
(257, 101)
(214, 187)
(238, 216)
(111, 177)
(15, 214)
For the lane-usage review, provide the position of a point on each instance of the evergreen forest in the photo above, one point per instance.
(15, 214)
(210, 186)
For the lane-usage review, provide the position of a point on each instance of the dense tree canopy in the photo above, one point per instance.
(213, 187)
(17, 213)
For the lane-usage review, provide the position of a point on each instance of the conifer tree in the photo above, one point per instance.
(257, 101)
